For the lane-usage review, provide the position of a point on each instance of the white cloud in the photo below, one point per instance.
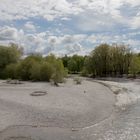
(73, 48)
(24, 9)
(45, 43)
(65, 18)
(30, 26)
(110, 39)
(93, 15)
(106, 15)
(41, 42)
(76, 48)
(51, 9)
(68, 39)
(10, 34)
(135, 22)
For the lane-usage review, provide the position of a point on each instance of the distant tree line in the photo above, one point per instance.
(112, 60)
(74, 64)
(104, 60)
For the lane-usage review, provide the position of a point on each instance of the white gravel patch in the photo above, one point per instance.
(128, 91)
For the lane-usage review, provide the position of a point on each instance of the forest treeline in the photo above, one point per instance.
(104, 60)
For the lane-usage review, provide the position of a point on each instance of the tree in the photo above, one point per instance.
(9, 54)
(134, 65)
(79, 62)
(72, 66)
(106, 60)
(100, 57)
(35, 71)
(89, 66)
(53, 69)
(59, 72)
(46, 71)
(65, 60)
(11, 71)
(120, 59)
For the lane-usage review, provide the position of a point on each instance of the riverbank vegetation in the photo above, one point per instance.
(105, 60)
(33, 67)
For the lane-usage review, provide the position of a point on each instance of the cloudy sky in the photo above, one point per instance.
(69, 26)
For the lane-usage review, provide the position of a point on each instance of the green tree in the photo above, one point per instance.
(59, 72)
(11, 71)
(101, 60)
(35, 71)
(89, 66)
(72, 66)
(74, 63)
(120, 59)
(134, 65)
(9, 54)
(65, 60)
(46, 71)
(53, 69)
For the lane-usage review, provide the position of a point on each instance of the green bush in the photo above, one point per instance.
(46, 71)
(35, 72)
(59, 72)
(11, 71)
(77, 81)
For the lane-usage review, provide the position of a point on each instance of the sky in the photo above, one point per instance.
(69, 26)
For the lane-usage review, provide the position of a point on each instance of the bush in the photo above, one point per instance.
(59, 72)
(78, 81)
(35, 72)
(37, 68)
(11, 71)
(46, 71)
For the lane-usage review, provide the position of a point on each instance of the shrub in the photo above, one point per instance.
(35, 72)
(59, 72)
(46, 71)
(11, 71)
(78, 81)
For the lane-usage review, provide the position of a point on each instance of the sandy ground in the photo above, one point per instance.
(90, 111)
(63, 114)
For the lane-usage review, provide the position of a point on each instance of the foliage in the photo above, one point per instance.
(106, 60)
(25, 67)
(134, 65)
(58, 68)
(11, 71)
(77, 80)
(46, 71)
(101, 59)
(35, 71)
(36, 68)
(74, 64)
(8, 55)
(59, 72)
